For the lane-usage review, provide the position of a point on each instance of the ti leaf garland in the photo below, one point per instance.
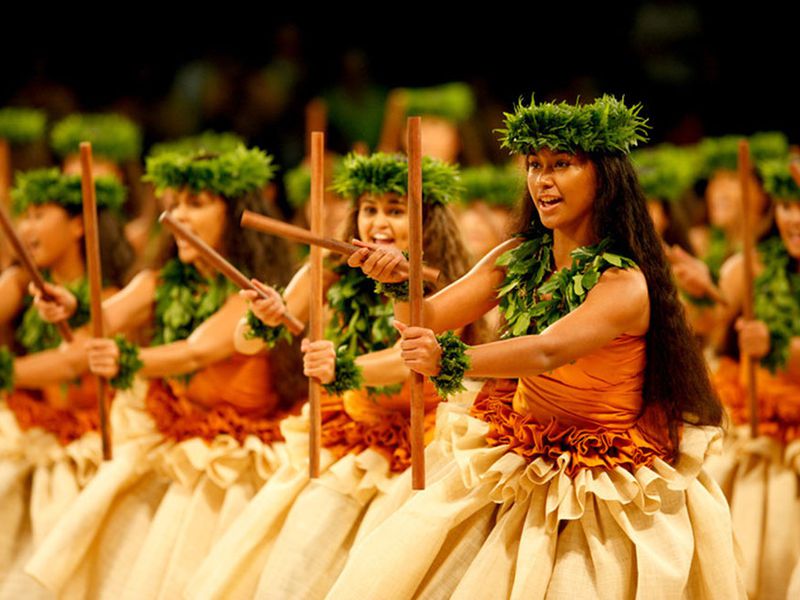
(35, 335)
(184, 299)
(777, 302)
(523, 291)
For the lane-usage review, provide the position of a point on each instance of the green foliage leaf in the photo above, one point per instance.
(606, 125)
(529, 303)
(112, 136)
(380, 173)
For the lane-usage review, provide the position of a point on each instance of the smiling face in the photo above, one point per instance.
(787, 218)
(383, 220)
(563, 188)
(204, 214)
(48, 231)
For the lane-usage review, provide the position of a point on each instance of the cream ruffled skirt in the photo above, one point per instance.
(492, 525)
(147, 520)
(293, 538)
(760, 479)
(39, 478)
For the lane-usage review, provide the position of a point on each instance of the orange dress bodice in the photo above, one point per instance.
(356, 421)
(235, 396)
(590, 410)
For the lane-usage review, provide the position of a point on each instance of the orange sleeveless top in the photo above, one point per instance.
(778, 400)
(235, 396)
(589, 409)
(68, 411)
(355, 421)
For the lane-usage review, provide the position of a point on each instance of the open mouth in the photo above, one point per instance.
(382, 239)
(548, 202)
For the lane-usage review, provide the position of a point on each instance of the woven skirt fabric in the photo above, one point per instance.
(661, 532)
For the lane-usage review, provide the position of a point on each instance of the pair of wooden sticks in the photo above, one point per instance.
(415, 276)
(413, 269)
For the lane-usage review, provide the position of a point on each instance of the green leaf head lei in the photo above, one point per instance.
(380, 173)
(45, 186)
(722, 153)
(112, 136)
(665, 172)
(231, 174)
(452, 101)
(21, 125)
(778, 180)
(497, 186)
(606, 125)
(208, 142)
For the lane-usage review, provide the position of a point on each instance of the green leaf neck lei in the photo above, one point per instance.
(36, 335)
(184, 299)
(528, 281)
(362, 320)
(718, 251)
(777, 302)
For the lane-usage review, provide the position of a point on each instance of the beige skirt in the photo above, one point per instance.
(39, 478)
(760, 479)
(293, 538)
(662, 532)
(148, 518)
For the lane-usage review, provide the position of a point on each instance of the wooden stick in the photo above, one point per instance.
(316, 314)
(93, 266)
(30, 267)
(794, 167)
(258, 222)
(223, 266)
(5, 172)
(415, 297)
(5, 197)
(749, 254)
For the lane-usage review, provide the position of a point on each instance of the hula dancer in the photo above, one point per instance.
(589, 458)
(760, 476)
(197, 433)
(365, 432)
(50, 446)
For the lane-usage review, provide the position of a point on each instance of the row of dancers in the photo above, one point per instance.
(576, 444)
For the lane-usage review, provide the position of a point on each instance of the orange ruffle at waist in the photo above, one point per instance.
(599, 447)
(389, 434)
(67, 425)
(778, 401)
(179, 419)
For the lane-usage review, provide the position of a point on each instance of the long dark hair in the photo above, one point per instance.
(676, 377)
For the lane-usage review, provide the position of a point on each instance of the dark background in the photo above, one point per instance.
(697, 69)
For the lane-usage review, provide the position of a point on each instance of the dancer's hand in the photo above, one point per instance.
(691, 273)
(319, 360)
(268, 310)
(60, 308)
(753, 338)
(103, 356)
(420, 349)
(378, 262)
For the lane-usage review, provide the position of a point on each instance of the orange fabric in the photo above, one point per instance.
(244, 382)
(233, 397)
(778, 400)
(354, 422)
(589, 409)
(67, 411)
